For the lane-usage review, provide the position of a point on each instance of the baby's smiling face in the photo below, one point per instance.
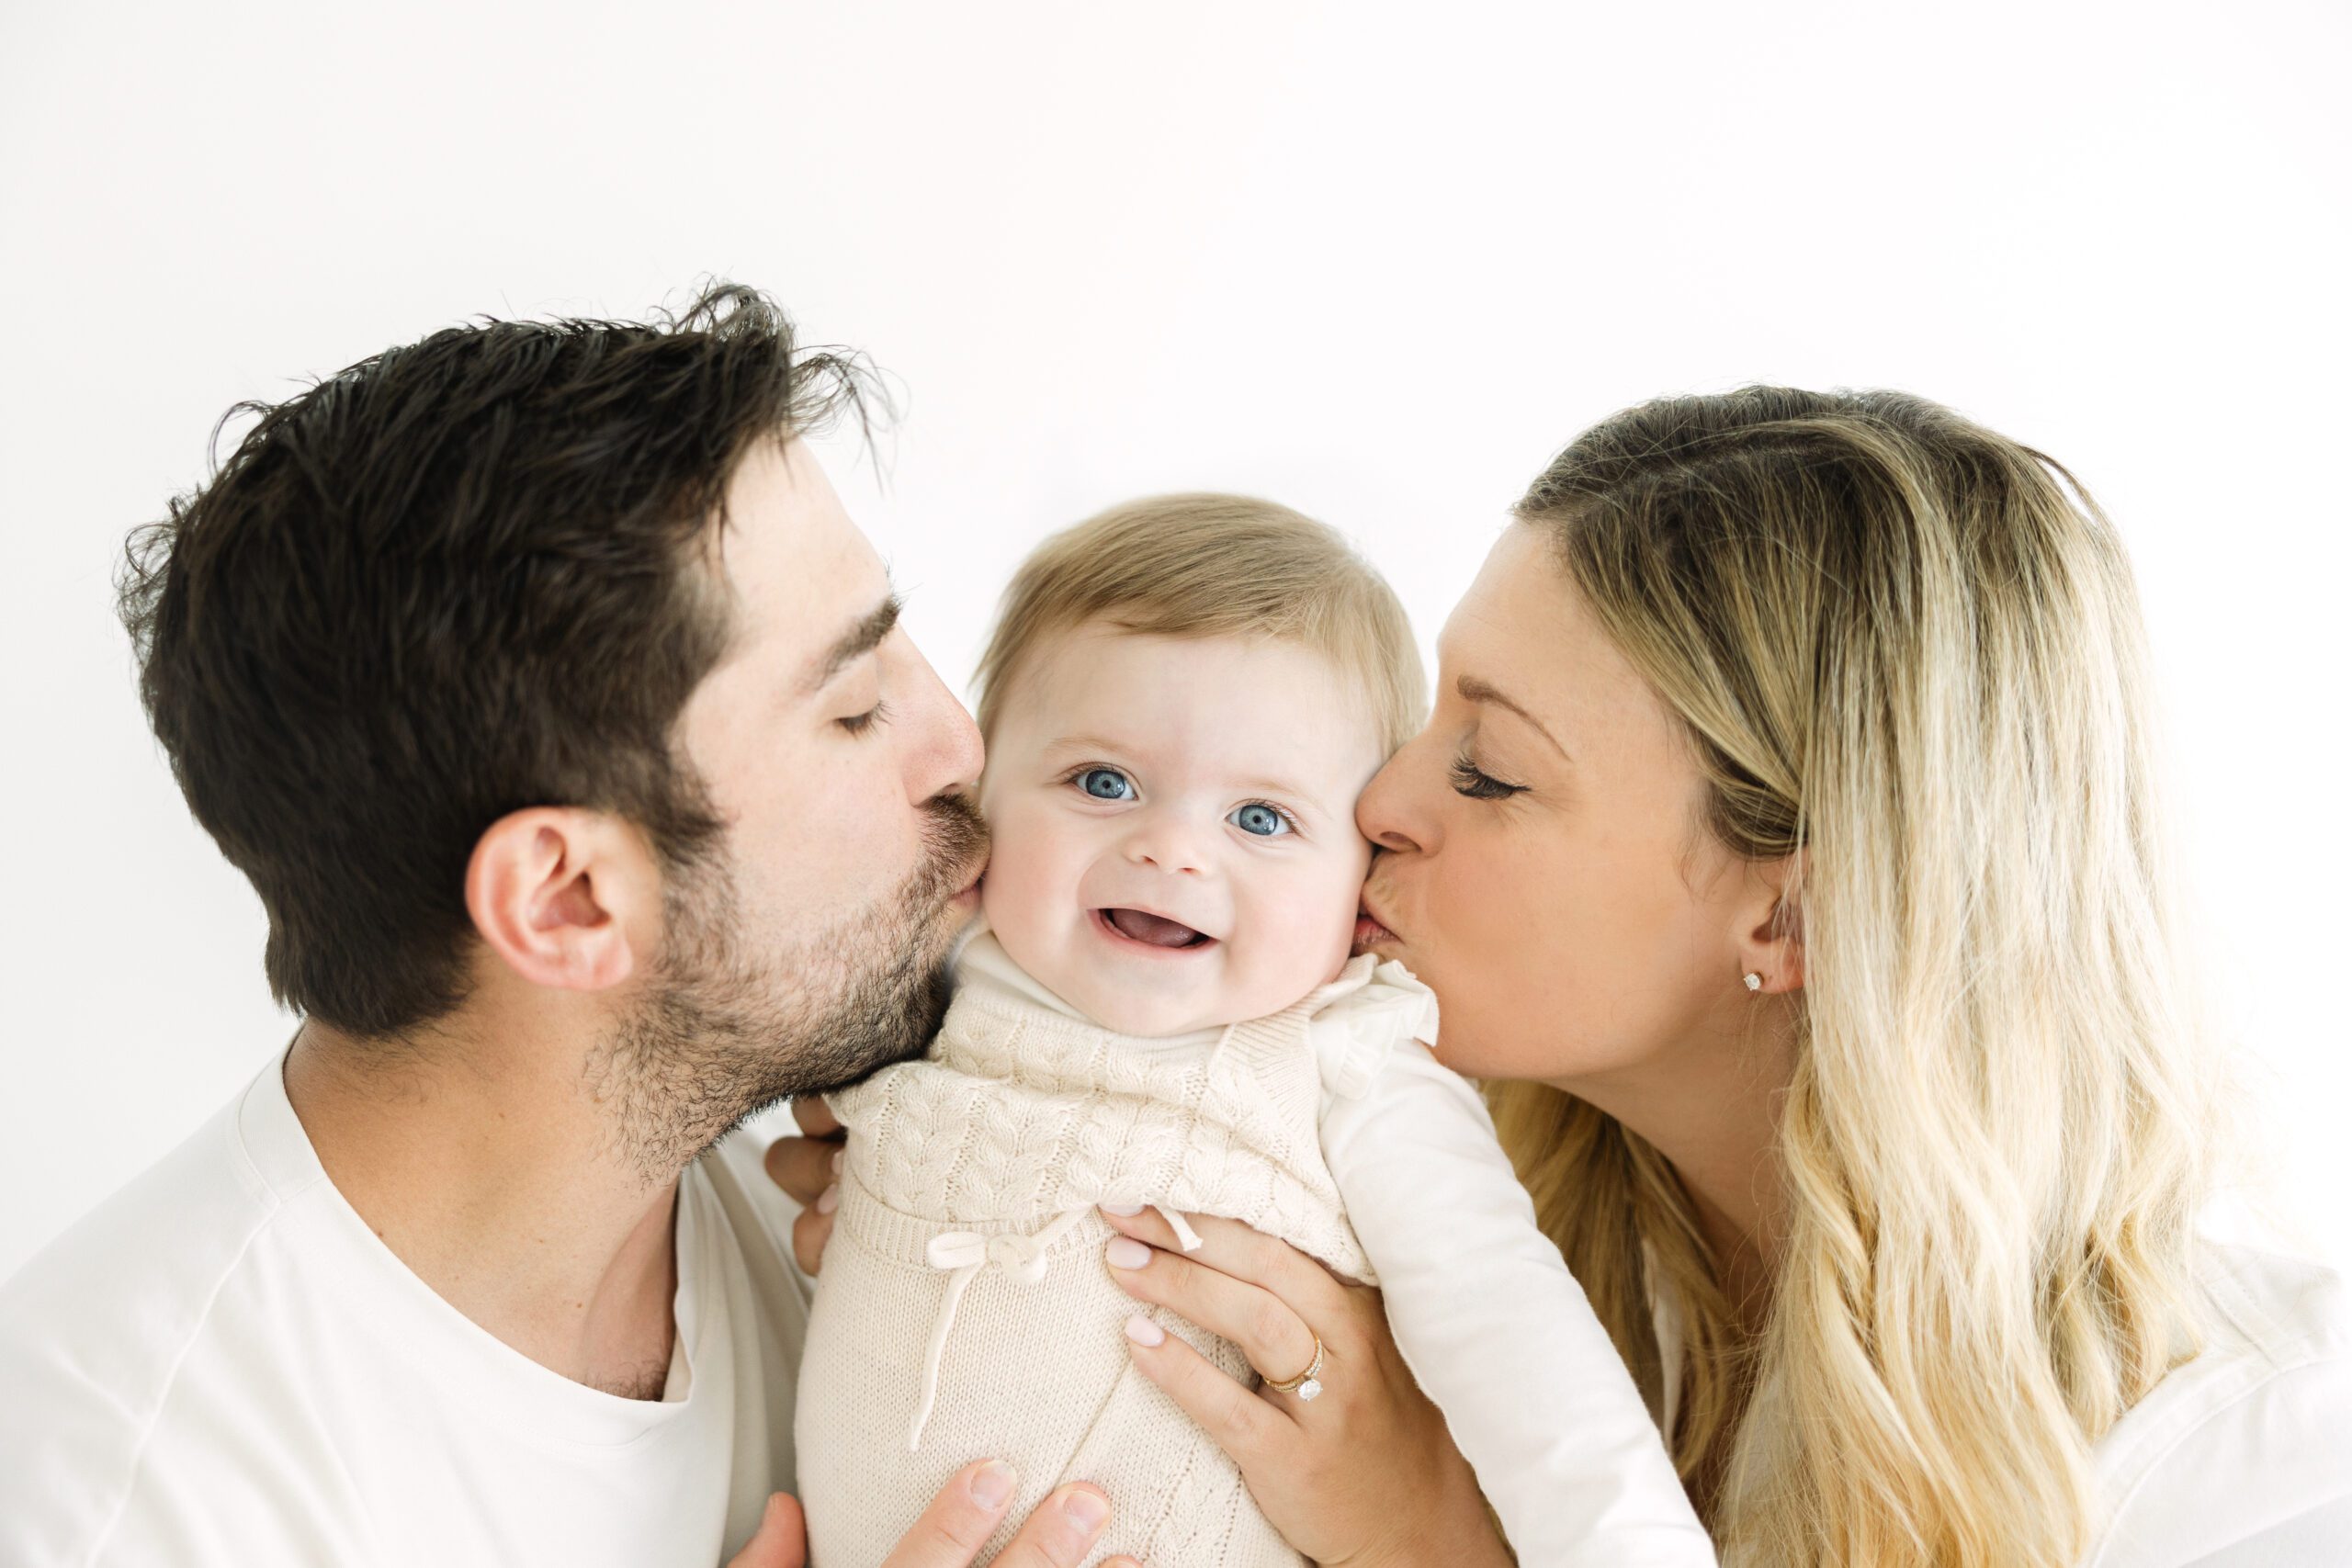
(1173, 822)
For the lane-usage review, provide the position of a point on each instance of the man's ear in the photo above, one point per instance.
(566, 897)
(1771, 938)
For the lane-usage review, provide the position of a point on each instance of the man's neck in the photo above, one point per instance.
(482, 1162)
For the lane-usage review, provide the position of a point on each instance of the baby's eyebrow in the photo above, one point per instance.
(1085, 743)
(1285, 787)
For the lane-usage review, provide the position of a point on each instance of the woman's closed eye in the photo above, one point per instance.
(1471, 780)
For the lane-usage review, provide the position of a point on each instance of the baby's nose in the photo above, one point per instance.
(1170, 845)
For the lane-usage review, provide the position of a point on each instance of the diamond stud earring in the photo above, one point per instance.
(1755, 982)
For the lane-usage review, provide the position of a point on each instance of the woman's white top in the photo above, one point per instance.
(2240, 1458)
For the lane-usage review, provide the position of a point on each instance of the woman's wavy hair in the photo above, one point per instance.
(1909, 653)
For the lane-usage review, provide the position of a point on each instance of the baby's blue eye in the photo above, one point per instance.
(1260, 820)
(1106, 784)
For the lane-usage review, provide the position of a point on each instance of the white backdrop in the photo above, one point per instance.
(1377, 265)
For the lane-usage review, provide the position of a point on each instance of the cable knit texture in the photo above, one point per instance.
(1022, 1114)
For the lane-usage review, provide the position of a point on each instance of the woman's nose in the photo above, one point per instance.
(1389, 812)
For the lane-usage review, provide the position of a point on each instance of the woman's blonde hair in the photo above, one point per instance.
(1200, 565)
(1908, 654)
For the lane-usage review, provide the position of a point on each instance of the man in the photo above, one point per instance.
(559, 716)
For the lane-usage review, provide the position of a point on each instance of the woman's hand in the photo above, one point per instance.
(808, 1167)
(1362, 1475)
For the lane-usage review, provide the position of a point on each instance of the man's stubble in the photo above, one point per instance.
(724, 1030)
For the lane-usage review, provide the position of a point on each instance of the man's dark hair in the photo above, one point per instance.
(460, 578)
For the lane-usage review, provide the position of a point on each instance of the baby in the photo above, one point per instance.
(1182, 700)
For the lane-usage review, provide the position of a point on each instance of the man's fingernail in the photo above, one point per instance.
(992, 1485)
(1125, 1211)
(837, 1162)
(1143, 1331)
(1087, 1510)
(829, 1200)
(1126, 1252)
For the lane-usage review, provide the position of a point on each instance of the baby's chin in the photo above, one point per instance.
(1127, 1009)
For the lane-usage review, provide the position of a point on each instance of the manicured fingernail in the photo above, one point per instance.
(1087, 1510)
(829, 1200)
(992, 1485)
(837, 1162)
(1126, 1252)
(1125, 1211)
(1143, 1331)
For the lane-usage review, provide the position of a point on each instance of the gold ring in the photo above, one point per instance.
(1307, 1384)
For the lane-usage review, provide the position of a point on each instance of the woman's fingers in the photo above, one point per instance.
(816, 1117)
(811, 1232)
(1236, 1420)
(1277, 1341)
(1234, 1248)
(809, 1169)
(1058, 1534)
(804, 1166)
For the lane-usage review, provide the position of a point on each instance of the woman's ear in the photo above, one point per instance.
(1772, 943)
(565, 897)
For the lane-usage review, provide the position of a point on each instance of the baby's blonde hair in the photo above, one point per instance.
(1201, 565)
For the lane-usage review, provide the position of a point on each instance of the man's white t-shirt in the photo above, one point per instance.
(223, 1363)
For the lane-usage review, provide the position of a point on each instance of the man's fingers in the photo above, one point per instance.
(816, 1117)
(803, 1166)
(782, 1539)
(1061, 1532)
(810, 1233)
(960, 1520)
(1275, 1339)
(1237, 1418)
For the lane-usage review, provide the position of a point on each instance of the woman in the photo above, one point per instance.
(1784, 851)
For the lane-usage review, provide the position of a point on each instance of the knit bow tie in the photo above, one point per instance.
(1023, 1256)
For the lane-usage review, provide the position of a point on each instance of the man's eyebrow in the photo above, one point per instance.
(858, 641)
(1474, 690)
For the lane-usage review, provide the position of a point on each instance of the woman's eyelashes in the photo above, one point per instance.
(1478, 784)
(1259, 818)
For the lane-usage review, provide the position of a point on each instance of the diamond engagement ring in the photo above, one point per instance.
(1307, 1384)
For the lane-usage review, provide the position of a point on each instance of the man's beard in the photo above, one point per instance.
(722, 1033)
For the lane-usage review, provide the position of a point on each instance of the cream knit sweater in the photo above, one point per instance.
(966, 1311)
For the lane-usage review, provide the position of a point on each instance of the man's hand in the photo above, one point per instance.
(959, 1521)
(808, 1168)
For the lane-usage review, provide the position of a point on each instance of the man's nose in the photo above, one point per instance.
(949, 756)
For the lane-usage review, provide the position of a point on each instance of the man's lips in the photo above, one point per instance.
(1372, 932)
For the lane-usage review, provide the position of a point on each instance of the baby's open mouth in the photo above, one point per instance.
(1152, 931)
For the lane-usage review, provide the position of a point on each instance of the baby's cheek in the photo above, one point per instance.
(1311, 927)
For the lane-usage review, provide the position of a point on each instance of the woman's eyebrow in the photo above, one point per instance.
(1474, 690)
